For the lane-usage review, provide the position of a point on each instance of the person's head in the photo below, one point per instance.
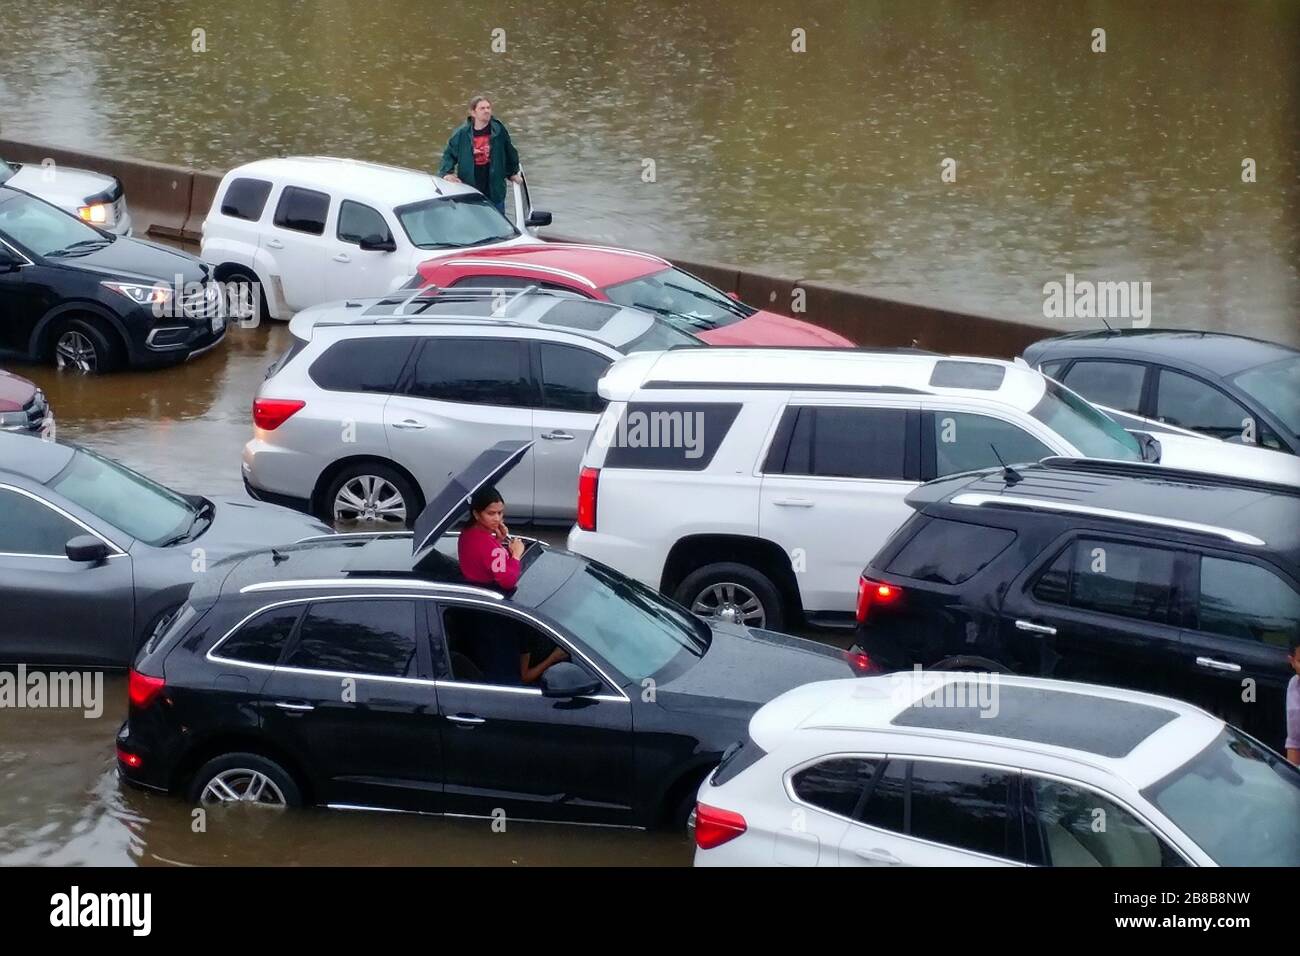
(488, 508)
(1294, 655)
(480, 110)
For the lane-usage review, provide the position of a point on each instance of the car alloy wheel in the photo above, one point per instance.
(369, 500)
(75, 351)
(730, 602)
(241, 785)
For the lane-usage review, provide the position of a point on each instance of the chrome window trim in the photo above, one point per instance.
(976, 500)
(368, 583)
(475, 816)
(116, 551)
(14, 249)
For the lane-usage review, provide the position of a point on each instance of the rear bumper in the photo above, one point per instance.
(272, 498)
(153, 772)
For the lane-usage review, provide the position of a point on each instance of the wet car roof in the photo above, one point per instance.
(29, 456)
(1218, 352)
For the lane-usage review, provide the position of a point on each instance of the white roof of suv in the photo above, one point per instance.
(381, 185)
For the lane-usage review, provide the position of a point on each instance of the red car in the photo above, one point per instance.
(627, 278)
(23, 407)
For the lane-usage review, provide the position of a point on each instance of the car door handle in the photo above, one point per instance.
(1211, 663)
(465, 719)
(557, 436)
(294, 706)
(342, 257)
(793, 502)
(274, 244)
(1033, 628)
(878, 855)
(409, 423)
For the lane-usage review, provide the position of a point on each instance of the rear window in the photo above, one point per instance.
(949, 552)
(296, 346)
(832, 442)
(245, 199)
(667, 436)
(362, 365)
(262, 639)
(491, 371)
(302, 210)
(373, 637)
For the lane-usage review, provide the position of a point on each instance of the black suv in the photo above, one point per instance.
(91, 300)
(1123, 574)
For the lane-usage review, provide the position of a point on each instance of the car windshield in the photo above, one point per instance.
(43, 229)
(1087, 429)
(454, 221)
(634, 628)
(690, 304)
(1276, 386)
(659, 338)
(142, 508)
(1237, 800)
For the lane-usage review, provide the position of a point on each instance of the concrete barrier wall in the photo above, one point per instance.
(171, 202)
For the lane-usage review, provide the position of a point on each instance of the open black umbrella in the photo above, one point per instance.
(453, 501)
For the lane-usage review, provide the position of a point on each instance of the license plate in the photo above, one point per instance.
(218, 322)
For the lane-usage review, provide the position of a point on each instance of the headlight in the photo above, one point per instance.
(99, 214)
(142, 294)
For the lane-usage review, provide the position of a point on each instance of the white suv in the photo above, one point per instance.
(752, 484)
(945, 769)
(315, 229)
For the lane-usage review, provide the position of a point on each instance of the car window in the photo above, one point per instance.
(688, 303)
(1246, 601)
(357, 222)
(886, 803)
(373, 637)
(1116, 385)
(666, 436)
(1113, 577)
(1070, 825)
(1094, 434)
(569, 377)
(485, 647)
(1190, 403)
(964, 806)
(1052, 369)
(302, 210)
(263, 638)
(453, 221)
(362, 365)
(1276, 386)
(245, 198)
(126, 500)
(966, 442)
(29, 527)
(949, 552)
(848, 443)
(488, 371)
(835, 785)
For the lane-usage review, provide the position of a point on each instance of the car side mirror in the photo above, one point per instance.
(566, 680)
(538, 218)
(86, 547)
(377, 243)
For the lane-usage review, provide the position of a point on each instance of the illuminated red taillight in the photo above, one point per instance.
(588, 479)
(270, 413)
(131, 760)
(860, 661)
(142, 689)
(714, 827)
(875, 592)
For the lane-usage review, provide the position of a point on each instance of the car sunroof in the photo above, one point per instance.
(579, 314)
(982, 375)
(1108, 728)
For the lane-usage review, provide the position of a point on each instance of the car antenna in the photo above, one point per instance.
(277, 557)
(1109, 330)
(1009, 474)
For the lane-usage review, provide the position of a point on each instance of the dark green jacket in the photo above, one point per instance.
(503, 161)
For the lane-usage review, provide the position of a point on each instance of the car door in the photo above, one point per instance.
(352, 698)
(296, 242)
(1234, 655)
(955, 440)
(462, 395)
(1101, 609)
(563, 424)
(21, 298)
(349, 270)
(58, 611)
(510, 750)
(834, 480)
(523, 205)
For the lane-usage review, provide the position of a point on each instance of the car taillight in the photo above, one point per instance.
(860, 661)
(131, 760)
(270, 413)
(588, 479)
(143, 689)
(875, 592)
(714, 827)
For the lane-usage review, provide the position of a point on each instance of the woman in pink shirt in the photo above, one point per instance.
(488, 555)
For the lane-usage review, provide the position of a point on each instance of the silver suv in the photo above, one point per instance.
(378, 401)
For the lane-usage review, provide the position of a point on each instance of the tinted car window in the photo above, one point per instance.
(302, 210)
(834, 785)
(374, 637)
(1053, 586)
(848, 443)
(1124, 579)
(1074, 826)
(949, 552)
(667, 436)
(362, 365)
(886, 805)
(1052, 369)
(1247, 601)
(245, 199)
(569, 377)
(261, 640)
(476, 371)
(357, 222)
(965, 442)
(1113, 384)
(964, 806)
(29, 527)
(1276, 386)
(1190, 403)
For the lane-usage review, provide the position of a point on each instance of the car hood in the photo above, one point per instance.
(138, 260)
(746, 667)
(239, 524)
(15, 392)
(61, 186)
(1227, 458)
(769, 328)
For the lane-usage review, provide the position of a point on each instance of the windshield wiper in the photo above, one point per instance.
(203, 512)
(83, 244)
(484, 242)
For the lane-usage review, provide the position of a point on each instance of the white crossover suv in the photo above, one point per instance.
(964, 769)
(749, 484)
(313, 229)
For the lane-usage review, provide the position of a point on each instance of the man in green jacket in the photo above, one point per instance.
(480, 154)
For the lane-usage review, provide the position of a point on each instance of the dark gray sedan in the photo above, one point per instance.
(93, 557)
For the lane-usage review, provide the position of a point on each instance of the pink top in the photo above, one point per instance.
(485, 560)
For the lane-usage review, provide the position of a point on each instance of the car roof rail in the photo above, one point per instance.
(1146, 469)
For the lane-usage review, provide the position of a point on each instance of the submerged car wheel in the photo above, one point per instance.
(371, 498)
(82, 346)
(245, 778)
(734, 593)
(247, 297)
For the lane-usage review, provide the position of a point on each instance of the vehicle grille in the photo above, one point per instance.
(203, 304)
(35, 410)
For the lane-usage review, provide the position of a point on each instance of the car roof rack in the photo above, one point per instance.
(1158, 472)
